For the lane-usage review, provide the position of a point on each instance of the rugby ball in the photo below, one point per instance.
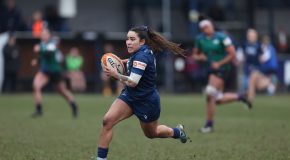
(111, 60)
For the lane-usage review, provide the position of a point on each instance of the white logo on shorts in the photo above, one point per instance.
(145, 116)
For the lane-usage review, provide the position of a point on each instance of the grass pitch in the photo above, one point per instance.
(260, 134)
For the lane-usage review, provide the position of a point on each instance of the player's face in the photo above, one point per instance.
(133, 42)
(208, 29)
(252, 36)
(45, 35)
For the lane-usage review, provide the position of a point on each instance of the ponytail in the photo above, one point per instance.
(156, 41)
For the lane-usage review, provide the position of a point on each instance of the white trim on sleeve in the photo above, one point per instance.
(227, 41)
(135, 77)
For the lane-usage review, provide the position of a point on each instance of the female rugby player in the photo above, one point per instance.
(50, 70)
(217, 50)
(140, 96)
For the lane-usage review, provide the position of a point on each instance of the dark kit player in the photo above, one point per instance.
(140, 96)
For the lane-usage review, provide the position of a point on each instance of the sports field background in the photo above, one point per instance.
(260, 134)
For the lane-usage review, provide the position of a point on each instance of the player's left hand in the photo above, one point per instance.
(215, 65)
(112, 72)
(124, 60)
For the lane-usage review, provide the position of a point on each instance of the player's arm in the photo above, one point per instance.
(124, 60)
(131, 81)
(198, 55)
(230, 49)
(34, 61)
(263, 56)
(230, 56)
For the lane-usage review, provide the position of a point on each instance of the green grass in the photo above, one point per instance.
(260, 134)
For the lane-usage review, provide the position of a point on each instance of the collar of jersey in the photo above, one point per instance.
(49, 41)
(143, 48)
(210, 37)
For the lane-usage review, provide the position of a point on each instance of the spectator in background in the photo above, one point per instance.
(11, 65)
(265, 78)
(282, 41)
(55, 22)
(38, 24)
(108, 83)
(74, 62)
(11, 18)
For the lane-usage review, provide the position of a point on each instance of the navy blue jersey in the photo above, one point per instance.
(271, 64)
(252, 52)
(142, 63)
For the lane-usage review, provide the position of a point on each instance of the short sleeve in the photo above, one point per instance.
(51, 47)
(227, 41)
(140, 63)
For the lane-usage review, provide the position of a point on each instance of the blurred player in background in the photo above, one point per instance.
(250, 55)
(140, 96)
(217, 50)
(49, 60)
(264, 78)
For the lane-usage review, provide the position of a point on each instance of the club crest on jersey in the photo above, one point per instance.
(216, 41)
(139, 65)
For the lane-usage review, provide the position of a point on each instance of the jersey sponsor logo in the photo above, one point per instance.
(251, 50)
(139, 65)
(216, 41)
(51, 47)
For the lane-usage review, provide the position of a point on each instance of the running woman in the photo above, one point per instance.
(217, 50)
(140, 96)
(50, 70)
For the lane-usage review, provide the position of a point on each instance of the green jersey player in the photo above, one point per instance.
(50, 70)
(217, 50)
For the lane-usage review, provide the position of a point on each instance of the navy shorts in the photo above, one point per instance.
(146, 110)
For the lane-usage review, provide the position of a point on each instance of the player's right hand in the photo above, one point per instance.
(199, 57)
(33, 62)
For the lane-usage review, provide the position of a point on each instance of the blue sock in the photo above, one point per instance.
(102, 152)
(176, 133)
(209, 123)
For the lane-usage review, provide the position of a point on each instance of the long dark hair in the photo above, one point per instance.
(156, 41)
